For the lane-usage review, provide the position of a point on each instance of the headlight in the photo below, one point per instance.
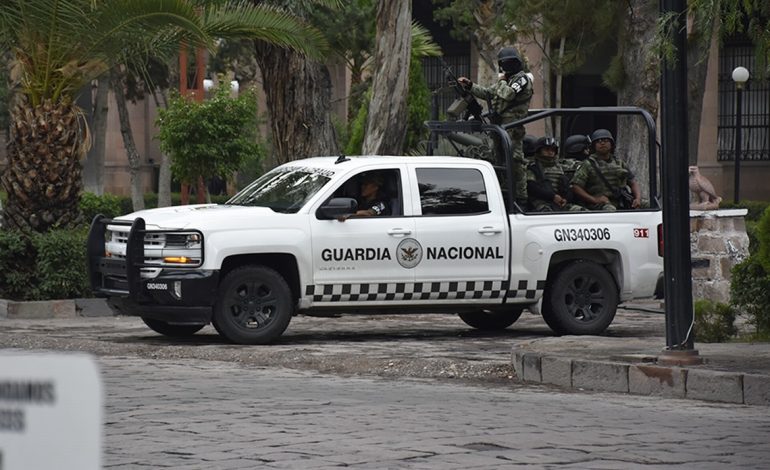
(182, 249)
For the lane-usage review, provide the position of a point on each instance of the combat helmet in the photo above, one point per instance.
(528, 145)
(575, 145)
(509, 61)
(547, 142)
(601, 134)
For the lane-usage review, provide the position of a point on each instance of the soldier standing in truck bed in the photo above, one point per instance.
(509, 100)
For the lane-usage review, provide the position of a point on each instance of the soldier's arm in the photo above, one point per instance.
(540, 190)
(508, 89)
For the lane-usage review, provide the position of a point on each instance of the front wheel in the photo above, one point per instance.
(254, 306)
(492, 320)
(174, 331)
(581, 299)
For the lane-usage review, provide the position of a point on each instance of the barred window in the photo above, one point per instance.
(755, 115)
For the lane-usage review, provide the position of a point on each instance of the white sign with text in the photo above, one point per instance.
(50, 411)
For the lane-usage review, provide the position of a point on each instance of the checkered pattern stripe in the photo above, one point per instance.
(522, 291)
(455, 290)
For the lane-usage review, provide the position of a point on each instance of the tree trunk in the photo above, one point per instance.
(698, 47)
(43, 177)
(298, 99)
(488, 43)
(93, 169)
(642, 79)
(547, 73)
(164, 175)
(386, 124)
(137, 196)
(558, 88)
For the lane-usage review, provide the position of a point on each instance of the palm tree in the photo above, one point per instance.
(59, 46)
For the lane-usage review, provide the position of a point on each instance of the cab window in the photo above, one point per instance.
(451, 191)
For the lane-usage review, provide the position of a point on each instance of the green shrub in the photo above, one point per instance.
(358, 127)
(755, 208)
(762, 234)
(107, 205)
(714, 322)
(750, 293)
(45, 266)
(418, 107)
(61, 264)
(17, 274)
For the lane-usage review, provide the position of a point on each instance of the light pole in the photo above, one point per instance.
(740, 76)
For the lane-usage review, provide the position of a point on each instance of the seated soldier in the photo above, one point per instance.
(528, 146)
(576, 149)
(547, 186)
(601, 177)
(371, 201)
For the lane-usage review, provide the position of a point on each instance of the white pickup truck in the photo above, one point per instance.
(452, 243)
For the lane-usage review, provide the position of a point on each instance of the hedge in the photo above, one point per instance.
(43, 266)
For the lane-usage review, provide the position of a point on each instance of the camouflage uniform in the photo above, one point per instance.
(510, 100)
(570, 166)
(545, 179)
(614, 170)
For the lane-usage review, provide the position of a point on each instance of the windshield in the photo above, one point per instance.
(284, 189)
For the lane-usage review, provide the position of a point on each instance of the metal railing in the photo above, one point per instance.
(437, 81)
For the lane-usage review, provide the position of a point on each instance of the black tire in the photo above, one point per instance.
(488, 320)
(174, 331)
(254, 306)
(581, 299)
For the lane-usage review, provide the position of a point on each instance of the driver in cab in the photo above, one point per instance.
(371, 201)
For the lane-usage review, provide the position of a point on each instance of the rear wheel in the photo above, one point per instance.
(488, 320)
(581, 299)
(254, 305)
(174, 331)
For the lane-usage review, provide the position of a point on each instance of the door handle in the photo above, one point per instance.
(490, 230)
(399, 232)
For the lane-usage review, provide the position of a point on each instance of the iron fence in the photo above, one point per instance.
(435, 74)
(755, 118)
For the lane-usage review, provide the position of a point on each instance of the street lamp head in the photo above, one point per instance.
(740, 75)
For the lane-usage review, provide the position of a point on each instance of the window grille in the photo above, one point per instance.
(437, 81)
(755, 115)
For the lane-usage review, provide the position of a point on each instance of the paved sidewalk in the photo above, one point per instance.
(731, 372)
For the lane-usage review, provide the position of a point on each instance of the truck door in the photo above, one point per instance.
(462, 228)
(357, 260)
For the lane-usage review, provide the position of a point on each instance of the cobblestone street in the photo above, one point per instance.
(417, 391)
(214, 415)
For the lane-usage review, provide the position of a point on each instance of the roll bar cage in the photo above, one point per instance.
(437, 128)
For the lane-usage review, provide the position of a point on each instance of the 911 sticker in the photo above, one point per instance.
(641, 233)
(581, 234)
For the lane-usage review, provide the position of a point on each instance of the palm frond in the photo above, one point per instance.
(422, 42)
(243, 20)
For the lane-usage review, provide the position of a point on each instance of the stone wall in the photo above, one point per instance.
(718, 241)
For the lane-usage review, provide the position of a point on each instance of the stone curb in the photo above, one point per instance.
(67, 308)
(641, 378)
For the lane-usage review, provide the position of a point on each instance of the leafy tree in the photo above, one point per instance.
(297, 94)
(61, 45)
(418, 97)
(58, 47)
(209, 138)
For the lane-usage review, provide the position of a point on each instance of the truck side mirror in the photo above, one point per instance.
(336, 207)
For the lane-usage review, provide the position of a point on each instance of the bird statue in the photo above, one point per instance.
(703, 195)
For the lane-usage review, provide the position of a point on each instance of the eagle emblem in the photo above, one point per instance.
(409, 253)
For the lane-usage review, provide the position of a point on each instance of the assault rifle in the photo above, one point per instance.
(466, 105)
